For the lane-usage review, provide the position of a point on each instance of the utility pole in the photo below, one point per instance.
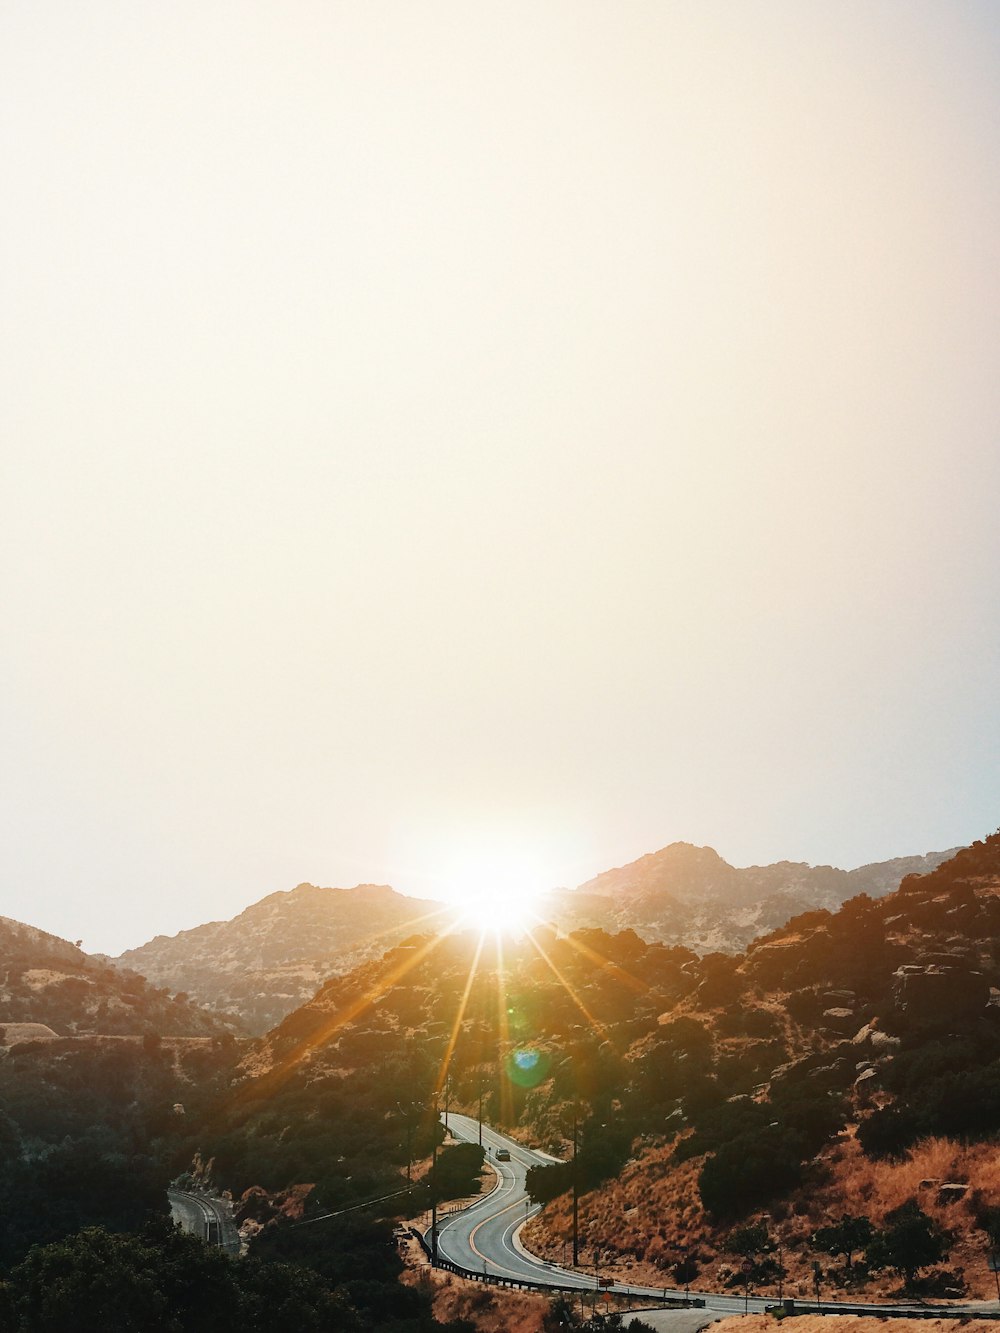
(434, 1206)
(576, 1197)
(447, 1098)
(781, 1272)
(480, 1112)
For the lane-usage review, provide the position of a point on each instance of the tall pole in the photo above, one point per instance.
(781, 1272)
(576, 1199)
(447, 1098)
(480, 1113)
(434, 1206)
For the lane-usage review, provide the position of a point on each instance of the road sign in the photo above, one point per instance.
(746, 1266)
(605, 1282)
(994, 1262)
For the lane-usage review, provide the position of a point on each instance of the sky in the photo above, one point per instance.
(464, 445)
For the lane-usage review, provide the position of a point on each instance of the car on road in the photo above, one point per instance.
(503, 1154)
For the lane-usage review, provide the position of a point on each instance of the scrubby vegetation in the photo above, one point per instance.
(843, 1074)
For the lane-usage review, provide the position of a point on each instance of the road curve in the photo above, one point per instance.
(484, 1239)
(206, 1217)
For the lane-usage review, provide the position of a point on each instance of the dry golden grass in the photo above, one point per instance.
(841, 1323)
(642, 1220)
(490, 1309)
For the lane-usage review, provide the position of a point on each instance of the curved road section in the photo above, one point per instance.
(483, 1239)
(206, 1217)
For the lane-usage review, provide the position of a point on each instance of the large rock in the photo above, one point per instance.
(840, 1020)
(940, 995)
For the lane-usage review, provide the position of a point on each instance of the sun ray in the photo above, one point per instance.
(613, 969)
(456, 1026)
(275, 1078)
(503, 1028)
(594, 1022)
(411, 924)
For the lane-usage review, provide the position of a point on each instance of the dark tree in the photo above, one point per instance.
(910, 1241)
(844, 1237)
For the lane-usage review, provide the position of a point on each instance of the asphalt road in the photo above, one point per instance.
(206, 1217)
(484, 1239)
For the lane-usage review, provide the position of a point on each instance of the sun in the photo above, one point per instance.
(498, 893)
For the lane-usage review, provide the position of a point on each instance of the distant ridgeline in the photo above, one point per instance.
(48, 981)
(277, 953)
(706, 1087)
(274, 956)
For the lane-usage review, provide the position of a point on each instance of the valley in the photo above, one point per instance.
(728, 1110)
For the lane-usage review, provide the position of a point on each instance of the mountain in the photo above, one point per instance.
(847, 1063)
(277, 953)
(50, 987)
(274, 956)
(689, 895)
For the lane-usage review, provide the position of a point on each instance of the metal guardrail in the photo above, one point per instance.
(528, 1284)
(790, 1307)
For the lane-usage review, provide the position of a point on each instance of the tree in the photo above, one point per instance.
(545, 1183)
(686, 1270)
(163, 1282)
(754, 1243)
(457, 1171)
(749, 1171)
(989, 1221)
(844, 1237)
(910, 1241)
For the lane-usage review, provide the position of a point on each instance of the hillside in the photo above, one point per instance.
(276, 954)
(51, 984)
(848, 1063)
(689, 895)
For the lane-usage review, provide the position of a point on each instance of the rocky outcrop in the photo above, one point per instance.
(277, 953)
(51, 988)
(689, 895)
(941, 995)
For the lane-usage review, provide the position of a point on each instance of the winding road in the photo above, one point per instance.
(483, 1239)
(204, 1216)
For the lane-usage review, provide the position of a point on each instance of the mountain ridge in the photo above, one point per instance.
(277, 952)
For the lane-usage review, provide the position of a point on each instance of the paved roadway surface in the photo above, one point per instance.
(206, 1217)
(484, 1239)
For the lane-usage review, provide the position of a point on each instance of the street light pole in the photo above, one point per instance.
(576, 1197)
(434, 1207)
(781, 1271)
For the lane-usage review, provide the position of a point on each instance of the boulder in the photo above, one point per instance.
(940, 995)
(883, 1042)
(840, 1020)
(866, 1083)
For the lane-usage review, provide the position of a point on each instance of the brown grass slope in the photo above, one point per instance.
(48, 982)
(275, 955)
(890, 1006)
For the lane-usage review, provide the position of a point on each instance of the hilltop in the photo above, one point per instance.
(274, 956)
(689, 895)
(846, 1063)
(48, 985)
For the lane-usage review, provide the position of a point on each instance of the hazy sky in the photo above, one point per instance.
(457, 439)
